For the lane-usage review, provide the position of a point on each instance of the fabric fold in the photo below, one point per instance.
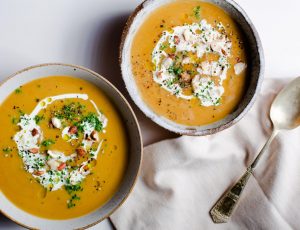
(182, 178)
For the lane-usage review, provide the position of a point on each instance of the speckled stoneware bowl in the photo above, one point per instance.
(254, 81)
(134, 141)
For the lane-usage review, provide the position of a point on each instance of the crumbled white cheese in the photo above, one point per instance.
(207, 91)
(68, 136)
(53, 164)
(239, 68)
(59, 156)
(198, 38)
(167, 62)
(188, 35)
(186, 60)
(56, 122)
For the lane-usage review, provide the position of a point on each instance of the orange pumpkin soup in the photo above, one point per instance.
(63, 147)
(189, 62)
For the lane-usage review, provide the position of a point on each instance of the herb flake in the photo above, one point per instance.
(48, 142)
(196, 12)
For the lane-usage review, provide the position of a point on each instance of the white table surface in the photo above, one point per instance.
(87, 33)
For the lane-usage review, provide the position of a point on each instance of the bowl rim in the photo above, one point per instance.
(190, 130)
(100, 77)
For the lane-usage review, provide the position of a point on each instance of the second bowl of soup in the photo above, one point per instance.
(193, 67)
(71, 147)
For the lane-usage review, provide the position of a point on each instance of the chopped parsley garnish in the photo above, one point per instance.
(15, 120)
(175, 70)
(21, 112)
(7, 150)
(70, 111)
(73, 188)
(171, 82)
(71, 203)
(38, 118)
(48, 142)
(93, 119)
(162, 47)
(196, 12)
(18, 90)
(218, 101)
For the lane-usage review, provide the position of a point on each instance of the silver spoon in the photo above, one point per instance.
(285, 114)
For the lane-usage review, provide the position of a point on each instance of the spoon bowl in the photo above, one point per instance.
(285, 109)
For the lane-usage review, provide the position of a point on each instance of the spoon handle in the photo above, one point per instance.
(223, 209)
(266, 146)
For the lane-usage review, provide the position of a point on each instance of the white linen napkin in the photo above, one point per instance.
(182, 178)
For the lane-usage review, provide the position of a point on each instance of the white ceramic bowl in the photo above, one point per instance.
(134, 138)
(255, 77)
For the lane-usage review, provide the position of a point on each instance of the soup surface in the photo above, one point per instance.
(189, 62)
(63, 147)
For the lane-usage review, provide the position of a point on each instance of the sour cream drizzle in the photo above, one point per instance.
(49, 100)
(48, 174)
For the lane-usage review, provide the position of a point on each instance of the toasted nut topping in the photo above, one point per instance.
(86, 167)
(186, 77)
(38, 173)
(95, 136)
(86, 136)
(34, 150)
(73, 130)
(61, 166)
(53, 164)
(158, 74)
(176, 39)
(80, 151)
(56, 122)
(172, 56)
(34, 132)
